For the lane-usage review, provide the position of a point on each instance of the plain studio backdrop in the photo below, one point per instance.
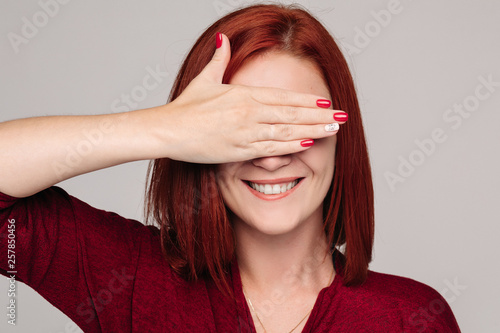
(428, 78)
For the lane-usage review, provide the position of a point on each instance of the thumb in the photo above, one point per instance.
(214, 70)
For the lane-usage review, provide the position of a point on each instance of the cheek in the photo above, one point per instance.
(222, 178)
(321, 155)
(225, 171)
(327, 145)
(225, 175)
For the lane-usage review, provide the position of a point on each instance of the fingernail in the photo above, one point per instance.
(307, 143)
(332, 127)
(340, 116)
(323, 103)
(219, 40)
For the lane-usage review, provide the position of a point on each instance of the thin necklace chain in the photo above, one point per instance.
(260, 321)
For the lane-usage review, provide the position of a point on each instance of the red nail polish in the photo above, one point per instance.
(219, 40)
(340, 116)
(323, 103)
(307, 143)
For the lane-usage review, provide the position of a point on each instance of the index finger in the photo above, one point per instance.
(276, 96)
(273, 114)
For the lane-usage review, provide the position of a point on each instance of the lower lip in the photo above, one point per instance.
(272, 197)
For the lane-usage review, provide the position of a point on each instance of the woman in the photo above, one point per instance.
(254, 189)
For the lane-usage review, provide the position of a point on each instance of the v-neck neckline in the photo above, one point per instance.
(245, 320)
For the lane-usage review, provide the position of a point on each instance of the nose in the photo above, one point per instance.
(272, 163)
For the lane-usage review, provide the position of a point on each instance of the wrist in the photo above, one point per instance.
(148, 133)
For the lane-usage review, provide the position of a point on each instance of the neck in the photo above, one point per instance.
(298, 261)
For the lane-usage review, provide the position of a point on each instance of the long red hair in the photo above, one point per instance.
(183, 198)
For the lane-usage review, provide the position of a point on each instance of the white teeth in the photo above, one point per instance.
(273, 188)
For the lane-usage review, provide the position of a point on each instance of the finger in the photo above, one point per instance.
(276, 96)
(340, 117)
(214, 70)
(286, 132)
(298, 115)
(276, 148)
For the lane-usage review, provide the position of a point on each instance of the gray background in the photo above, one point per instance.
(439, 226)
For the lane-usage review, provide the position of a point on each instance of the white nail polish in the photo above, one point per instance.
(332, 127)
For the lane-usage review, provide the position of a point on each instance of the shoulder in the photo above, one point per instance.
(399, 300)
(398, 288)
(89, 215)
(65, 220)
(392, 291)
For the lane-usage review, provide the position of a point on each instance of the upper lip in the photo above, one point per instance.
(274, 181)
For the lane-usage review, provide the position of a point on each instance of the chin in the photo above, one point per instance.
(273, 224)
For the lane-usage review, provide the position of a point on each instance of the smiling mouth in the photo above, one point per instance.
(269, 189)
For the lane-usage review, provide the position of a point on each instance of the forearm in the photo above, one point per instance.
(37, 153)
(208, 123)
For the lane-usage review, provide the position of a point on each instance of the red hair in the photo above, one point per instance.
(183, 198)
